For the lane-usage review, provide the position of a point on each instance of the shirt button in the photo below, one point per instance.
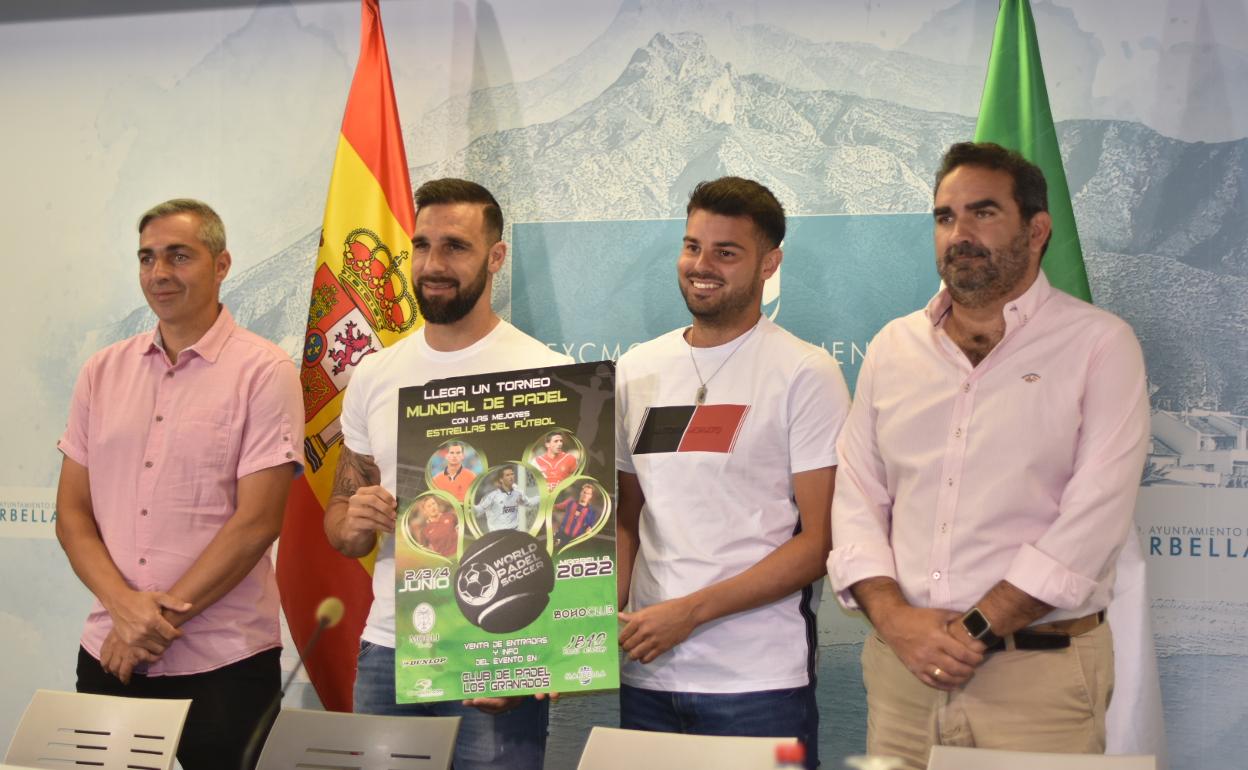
(966, 387)
(142, 561)
(159, 418)
(290, 455)
(147, 464)
(169, 374)
(950, 481)
(143, 512)
(936, 575)
(957, 433)
(943, 527)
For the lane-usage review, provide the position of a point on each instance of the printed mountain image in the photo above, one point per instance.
(1164, 222)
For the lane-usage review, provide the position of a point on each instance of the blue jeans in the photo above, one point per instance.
(513, 740)
(790, 713)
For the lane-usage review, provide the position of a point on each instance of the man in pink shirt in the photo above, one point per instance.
(989, 469)
(179, 452)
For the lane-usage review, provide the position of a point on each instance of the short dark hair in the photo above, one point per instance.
(733, 196)
(211, 229)
(451, 190)
(1031, 192)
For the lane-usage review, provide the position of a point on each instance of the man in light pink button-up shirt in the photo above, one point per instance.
(989, 469)
(179, 451)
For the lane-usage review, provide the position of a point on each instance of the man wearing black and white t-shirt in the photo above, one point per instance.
(726, 435)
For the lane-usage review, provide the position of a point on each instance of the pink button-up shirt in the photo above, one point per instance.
(165, 445)
(1024, 468)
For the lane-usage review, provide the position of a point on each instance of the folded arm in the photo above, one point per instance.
(234, 551)
(141, 632)
(1065, 565)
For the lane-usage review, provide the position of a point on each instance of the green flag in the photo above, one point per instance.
(1014, 113)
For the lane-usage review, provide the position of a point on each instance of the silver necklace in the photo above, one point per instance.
(702, 384)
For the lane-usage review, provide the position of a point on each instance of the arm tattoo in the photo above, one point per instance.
(354, 471)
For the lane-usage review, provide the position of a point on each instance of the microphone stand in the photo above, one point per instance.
(252, 752)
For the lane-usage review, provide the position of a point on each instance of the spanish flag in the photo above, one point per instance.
(361, 302)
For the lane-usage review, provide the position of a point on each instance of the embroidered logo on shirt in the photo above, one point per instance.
(706, 428)
(1031, 377)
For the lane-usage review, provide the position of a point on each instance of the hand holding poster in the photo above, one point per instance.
(505, 539)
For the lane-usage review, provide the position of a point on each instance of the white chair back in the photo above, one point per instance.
(314, 739)
(68, 729)
(959, 758)
(609, 748)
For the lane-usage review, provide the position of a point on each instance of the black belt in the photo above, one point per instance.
(1048, 636)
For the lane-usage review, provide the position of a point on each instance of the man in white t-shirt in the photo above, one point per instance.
(726, 435)
(456, 250)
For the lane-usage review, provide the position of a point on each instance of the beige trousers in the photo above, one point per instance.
(1023, 700)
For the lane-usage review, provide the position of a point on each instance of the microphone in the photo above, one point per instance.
(328, 614)
(329, 611)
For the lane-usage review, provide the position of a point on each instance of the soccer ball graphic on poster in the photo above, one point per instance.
(477, 584)
(504, 581)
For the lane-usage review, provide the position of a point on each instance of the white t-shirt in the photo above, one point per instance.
(370, 420)
(719, 495)
(505, 510)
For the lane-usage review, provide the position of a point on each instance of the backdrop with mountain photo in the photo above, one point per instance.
(591, 126)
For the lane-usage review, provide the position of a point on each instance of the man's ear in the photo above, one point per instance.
(497, 256)
(222, 264)
(771, 262)
(1038, 230)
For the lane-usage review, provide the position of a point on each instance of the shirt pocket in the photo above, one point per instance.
(201, 482)
(1032, 420)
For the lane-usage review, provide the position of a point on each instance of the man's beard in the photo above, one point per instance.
(977, 285)
(728, 306)
(456, 307)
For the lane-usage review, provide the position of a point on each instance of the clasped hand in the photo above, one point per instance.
(932, 646)
(141, 633)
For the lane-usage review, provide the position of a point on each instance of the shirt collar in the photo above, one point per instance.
(1017, 312)
(154, 343)
(207, 347)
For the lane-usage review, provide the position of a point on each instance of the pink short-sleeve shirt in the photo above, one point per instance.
(164, 445)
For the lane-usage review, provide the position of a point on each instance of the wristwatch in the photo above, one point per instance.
(978, 627)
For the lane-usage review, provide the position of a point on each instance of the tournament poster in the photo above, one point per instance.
(505, 579)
